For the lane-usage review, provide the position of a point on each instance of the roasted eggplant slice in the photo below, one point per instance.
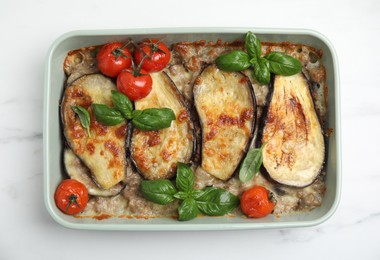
(227, 112)
(104, 152)
(294, 152)
(81, 62)
(77, 171)
(156, 153)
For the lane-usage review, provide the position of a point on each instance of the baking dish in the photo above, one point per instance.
(54, 82)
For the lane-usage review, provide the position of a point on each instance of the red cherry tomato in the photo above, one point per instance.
(256, 202)
(135, 87)
(158, 55)
(113, 58)
(71, 196)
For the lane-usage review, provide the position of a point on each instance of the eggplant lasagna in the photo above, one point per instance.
(219, 117)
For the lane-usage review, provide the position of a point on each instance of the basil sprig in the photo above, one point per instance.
(274, 62)
(251, 164)
(146, 120)
(210, 201)
(84, 117)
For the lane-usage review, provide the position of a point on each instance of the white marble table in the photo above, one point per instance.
(28, 232)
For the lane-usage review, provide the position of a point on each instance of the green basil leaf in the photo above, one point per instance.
(283, 64)
(107, 115)
(251, 164)
(152, 118)
(253, 45)
(188, 210)
(122, 104)
(253, 60)
(158, 191)
(185, 177)
(84, 117)
(196, 193)
(181, 195)
(233, 61)
(216, 201)
(261, 71)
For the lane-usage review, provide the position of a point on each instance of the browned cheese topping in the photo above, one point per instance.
(104, 152)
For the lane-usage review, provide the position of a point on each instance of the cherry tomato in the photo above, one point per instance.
(71, 196)
(158, 55)
(256, 202)
(113, 58)
(134, 86)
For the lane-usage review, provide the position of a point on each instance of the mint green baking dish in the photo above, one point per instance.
(54, 82)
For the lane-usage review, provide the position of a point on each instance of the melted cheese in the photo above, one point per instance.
(226, 110)
(156, 153)
(104, 152)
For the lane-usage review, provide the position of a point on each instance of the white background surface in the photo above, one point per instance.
(29, 27)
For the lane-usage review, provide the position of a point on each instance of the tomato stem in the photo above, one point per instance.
(72, 199)
(271, 197)
(127, 43)
(153, 46)
(136, 71)
(119, 53)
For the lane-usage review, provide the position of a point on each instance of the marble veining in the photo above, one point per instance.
(21, 138)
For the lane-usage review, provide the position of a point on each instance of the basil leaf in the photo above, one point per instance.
(181, 195)
(253, 60)
(251, 164)
(188, 210)
(196, 193)
(185, 177)
(253, 45)
(233, 61)
(122, 104)
(152, 118)
(261, 71)
(107, 115)
(84, 117)
(283, 64)
(216, 202)
(158, 191)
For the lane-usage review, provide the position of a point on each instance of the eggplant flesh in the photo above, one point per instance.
(81, 62)
(227, 112)
(104, 151)
(156, 153)
(294, 148)
(77, 171)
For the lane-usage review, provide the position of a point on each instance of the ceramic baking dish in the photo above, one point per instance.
(54, 82)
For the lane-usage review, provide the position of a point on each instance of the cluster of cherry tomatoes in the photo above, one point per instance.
(132, 71)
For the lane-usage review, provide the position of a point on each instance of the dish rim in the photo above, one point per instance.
(188, 226)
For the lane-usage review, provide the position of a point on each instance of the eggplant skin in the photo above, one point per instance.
(156, 153)
(226, 108)
(77, 171)
(295, 149)
(104, 153)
